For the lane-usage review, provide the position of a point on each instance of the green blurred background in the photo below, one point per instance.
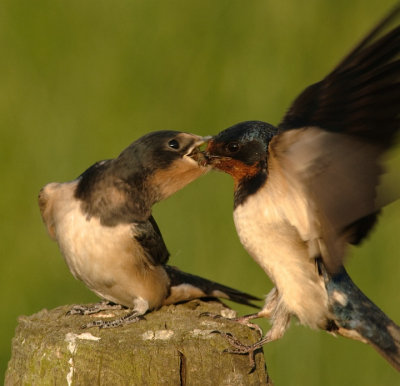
(81, 80)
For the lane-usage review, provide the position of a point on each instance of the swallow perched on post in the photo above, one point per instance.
(305, 190)
(108, 237)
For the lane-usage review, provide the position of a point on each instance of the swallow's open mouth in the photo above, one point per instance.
(194, 152)
(197, 154)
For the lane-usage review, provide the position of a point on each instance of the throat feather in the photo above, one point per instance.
(248, 186)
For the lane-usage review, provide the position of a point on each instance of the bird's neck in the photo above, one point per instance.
(116, 198)
(248, 186)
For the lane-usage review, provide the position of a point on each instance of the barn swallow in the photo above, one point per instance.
(108, 237)
(305, 190)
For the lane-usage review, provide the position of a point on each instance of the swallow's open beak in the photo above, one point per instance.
(196, 153)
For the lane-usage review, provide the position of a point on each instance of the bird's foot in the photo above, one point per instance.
(101, 306)
(240, 348)
(132, 317)
(245, 320)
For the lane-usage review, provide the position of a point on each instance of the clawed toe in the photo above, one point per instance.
(132, 317)
(244, 320)
(228, 336)
(127, 319)
(240, 348)
(211, 315)
(98, 307)
(242, 351)
(77, 310)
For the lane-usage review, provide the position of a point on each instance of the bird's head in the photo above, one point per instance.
(167, 160)
(241, 150)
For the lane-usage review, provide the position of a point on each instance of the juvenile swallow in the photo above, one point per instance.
(305, 190)
(108, 237)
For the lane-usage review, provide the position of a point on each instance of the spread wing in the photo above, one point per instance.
(360, 97)
(336, 131)
(148, 235)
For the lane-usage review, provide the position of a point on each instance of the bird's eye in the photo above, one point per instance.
(233, 147)
(174, 144)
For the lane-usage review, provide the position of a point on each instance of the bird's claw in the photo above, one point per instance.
(127, 319)
(211, 315)
(101, 306)
(232, 340)
(76, 310)
(240, 348)
(244, 320)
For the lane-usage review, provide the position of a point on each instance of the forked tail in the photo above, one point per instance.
(185, 286)
(357, 317)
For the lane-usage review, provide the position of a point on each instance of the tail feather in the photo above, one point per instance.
(356, 317)
(185, 286)
(391, 353)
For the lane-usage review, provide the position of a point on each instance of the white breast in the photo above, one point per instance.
(106, 259)
(274, 226)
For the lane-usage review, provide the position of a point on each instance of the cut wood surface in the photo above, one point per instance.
(173, 346)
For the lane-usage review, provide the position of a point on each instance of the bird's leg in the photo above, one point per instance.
(272, 309)
(101, 306)
(281, 324)
(245, 320)
(132, 317)
(240, 348)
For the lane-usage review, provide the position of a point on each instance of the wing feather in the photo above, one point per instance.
(361, 96)
(336, 132)
(148, 235)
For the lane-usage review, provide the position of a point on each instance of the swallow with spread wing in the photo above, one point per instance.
(108, 237)
(305, 190)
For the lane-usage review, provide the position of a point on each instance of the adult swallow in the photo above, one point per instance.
(103, 225)
(305, 190)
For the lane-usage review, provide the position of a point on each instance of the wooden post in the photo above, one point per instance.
(173, 346)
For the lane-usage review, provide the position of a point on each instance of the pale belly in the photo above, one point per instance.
(90, 250)
(275, 244)
(108, 260)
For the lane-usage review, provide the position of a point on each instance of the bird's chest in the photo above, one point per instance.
(270, 225)
(257, 226)
(89, 248)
